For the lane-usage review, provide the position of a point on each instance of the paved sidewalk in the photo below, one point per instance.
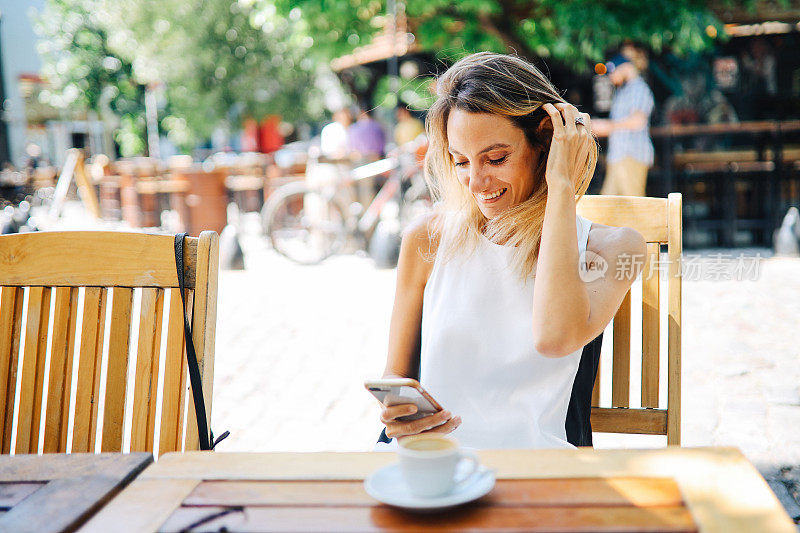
(294, 346)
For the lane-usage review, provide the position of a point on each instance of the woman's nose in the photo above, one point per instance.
(477, 180)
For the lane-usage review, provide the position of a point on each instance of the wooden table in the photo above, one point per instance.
(673, 489)
(41, 493)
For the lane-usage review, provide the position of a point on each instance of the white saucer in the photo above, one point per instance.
(387, 486)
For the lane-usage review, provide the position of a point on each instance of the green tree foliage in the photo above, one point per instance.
(575, 32)
(221, 61)
(85, 72)
(224, 60)
(416, 93)
(336, 26)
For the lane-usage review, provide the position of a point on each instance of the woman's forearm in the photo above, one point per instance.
(560, 298)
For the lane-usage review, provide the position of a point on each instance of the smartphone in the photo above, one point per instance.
(396, 391)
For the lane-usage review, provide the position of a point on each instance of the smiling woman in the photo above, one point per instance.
(483, 99)
(507, 160)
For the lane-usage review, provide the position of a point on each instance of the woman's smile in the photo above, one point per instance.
(491, 197)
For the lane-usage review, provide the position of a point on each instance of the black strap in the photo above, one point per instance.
(579, 411)
(207, 441)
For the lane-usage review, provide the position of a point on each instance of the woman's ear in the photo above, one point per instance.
(545, 128)
(544, 134)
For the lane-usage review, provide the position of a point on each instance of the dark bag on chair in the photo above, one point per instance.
(578, 425)
(206, 436)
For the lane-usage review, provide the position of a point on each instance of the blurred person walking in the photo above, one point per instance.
(630, 150)
(270, 137)
(367, 144)
(408, 126)
(367, 137)
(334, 137)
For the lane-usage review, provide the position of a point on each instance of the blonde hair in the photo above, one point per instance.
(502, 85)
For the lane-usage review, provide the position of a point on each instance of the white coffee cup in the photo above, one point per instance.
(428, 463)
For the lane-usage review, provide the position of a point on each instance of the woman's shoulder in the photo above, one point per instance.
(608, 241)
(420, 243)
(425, 232)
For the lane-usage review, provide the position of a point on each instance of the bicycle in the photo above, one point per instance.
(308, 222)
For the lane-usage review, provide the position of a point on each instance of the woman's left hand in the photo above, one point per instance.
(570, 148)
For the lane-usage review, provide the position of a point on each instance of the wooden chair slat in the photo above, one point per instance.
(192, 440)
(646, 215)
(674, 250)
(659, 221)
(623, 420)
(650, 326)
(87, 395)
(32, 381)
(173, 399)
(621, 368)
(596, 386)
(61, 353)
(205, 311)
(117, 372)
(147, 361)
(71, 341)
(35, 268)
(82, 259)
(11, 300)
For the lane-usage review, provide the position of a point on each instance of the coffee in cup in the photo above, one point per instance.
(429, 462)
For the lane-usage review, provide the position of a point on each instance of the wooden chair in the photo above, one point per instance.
(103, 269)
(659, 221)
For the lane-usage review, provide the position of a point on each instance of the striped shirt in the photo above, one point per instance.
(635, 95)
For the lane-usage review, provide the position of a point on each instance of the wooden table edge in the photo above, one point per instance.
(708, 477)
(92, 479)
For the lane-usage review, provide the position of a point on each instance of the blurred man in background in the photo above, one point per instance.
(367, 137)
(408, 126)
(630, 150)
(334, 141)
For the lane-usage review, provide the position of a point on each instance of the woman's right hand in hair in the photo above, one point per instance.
(570, 150)
(441, 422)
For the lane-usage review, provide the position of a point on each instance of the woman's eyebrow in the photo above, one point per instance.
(489, 148)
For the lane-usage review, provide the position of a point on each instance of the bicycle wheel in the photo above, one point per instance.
(304, 226)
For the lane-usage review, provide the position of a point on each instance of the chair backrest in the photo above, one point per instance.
(85, 276)
(659, 221)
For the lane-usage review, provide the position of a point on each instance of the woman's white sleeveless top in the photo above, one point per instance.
(477, 355)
